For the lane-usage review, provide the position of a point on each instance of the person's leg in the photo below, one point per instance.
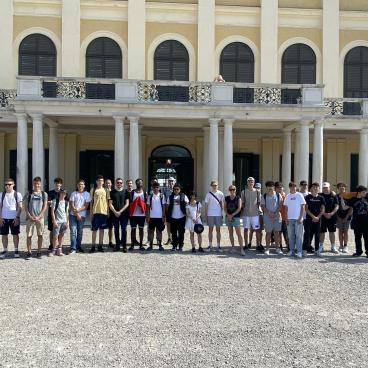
(308, 230)
(159, 236)
(358, 233)
(345, 238)
(151, 233)
(39, 242)
(141, 235)
(240, 240)
(54, 246)
(16, 242)
(191, 236)
(231, 236)
(299, 238)
(80, 225)
(60, 245)
(218, 236)
(332, 240)
(199, 236)
(291, 235)
(94, 236)
(4, 239)
(341, 237)
(174, 233)
(245, 236)
(365, 237)
(168, 233)
(210, 236)
(100, 239)
(73, 232)
(116, 223)
(110, 235)
(277, 237)
(181, 231)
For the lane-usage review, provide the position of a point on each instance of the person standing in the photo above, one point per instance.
(167, 193)
(233, 206)
(343, 218)
(99, 211)
(137, 212)
(214, 204)
(51, 195)
(60, 219)
(110, 222)
(156, 205)
(251, 201)
(329, 218)
(78, 204)
(295, 205)
(10, 210)
(194, 221)
(315, 208)
(279, 188)
(119, 212)
(359, 222)
(303, 189)
(35, 206)
(271, 203)
(176, 214)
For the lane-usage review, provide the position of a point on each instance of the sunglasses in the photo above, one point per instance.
(232, 189)
(119, 182)
(8, 184)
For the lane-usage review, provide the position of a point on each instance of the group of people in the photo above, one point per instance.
(295, 218)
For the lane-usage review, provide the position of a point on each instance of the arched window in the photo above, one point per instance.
(37, 56)
(237, 63)
(103, 59)
(298, 65)
(171, 61)
(170, 151)
(356, 73)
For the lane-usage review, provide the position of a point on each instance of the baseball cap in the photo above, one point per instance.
(258, 185)
(250, 179)
(171, 178)
(326, 185)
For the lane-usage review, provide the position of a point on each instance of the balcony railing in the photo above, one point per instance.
(7, 97)
(178, 92)
(346, 107)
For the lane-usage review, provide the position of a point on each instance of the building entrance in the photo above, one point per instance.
(172, 161)
(245, 165)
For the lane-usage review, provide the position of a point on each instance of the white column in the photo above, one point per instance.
(297, 155)
(331, 48)
(119, 147)
(221, 159)
(363, 157)
(269, 41)
(317, 174)
(137, 39)
(304, 151)
(53, 155)
(22, 154)
(7, 75)
(213, 149)
(206, 40)
(286, 158)
(228, 154)
(126, 152)
(205, 170)
(70, 45)
(38, 152)
(133, 148)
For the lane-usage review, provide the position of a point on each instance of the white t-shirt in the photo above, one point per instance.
(156, 205)
(9, 207)
(79, 199)
(176, 212)
(293, 201)
(214, 208)
(138, 210)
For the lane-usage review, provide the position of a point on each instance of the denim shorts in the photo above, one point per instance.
(235, 222)
(60, 230)
(99, 222)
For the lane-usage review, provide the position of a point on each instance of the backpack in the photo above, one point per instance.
(57, 204)
(278, 195)
(2, 201)
(150, 199)
(30, 195)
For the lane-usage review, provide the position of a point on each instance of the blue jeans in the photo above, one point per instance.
(295, 233)
(76, 232)
(122, 222)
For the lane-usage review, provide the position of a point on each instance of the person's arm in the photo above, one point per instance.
(26, 210)
(335, 209)
(44, 208)
(301, 215)
(126, 205)
(19, 211)
(350, 212)
(286, 210)
(323, 208)
(238, 210)
(53, 216)
(225, 209)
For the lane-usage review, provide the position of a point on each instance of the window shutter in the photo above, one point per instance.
(356, 73)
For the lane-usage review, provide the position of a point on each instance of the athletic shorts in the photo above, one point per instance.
(32, 225)
(272, 224)
(251, 222)
(99, 222)
(60, 230)
(214, 221)
(342, 225)
(137, 221)
(9, 226)
(235, 222)
(328, 224)
(154, 223)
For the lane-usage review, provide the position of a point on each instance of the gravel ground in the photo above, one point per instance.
(183, 310)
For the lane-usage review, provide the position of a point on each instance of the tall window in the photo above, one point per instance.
(298, 65)
(103, 59)
(171, 61)
(237, 63)
(37, 56)
(356, 73)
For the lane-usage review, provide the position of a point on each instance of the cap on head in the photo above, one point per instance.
(258, 185)
(251, 179)
(326, 185)
(171, 178)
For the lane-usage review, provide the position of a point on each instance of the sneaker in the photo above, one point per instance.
(299, 255)
(260, 248)
(341, 248)
(38, 255)
(180, 249)
(116, 248)
(73, 251)
(100, 249)
(16, 254)
(200, 250)
(161, 248)
(125, 249)
(310, 250)
(318, 253)
(194, 250)
(334, 250)
(149, 248)
(209, 248)
(168, 242)
(357, 254)
(50, 253)
(249, 245)
(92, 250)
(290, 253)
(219, 249)
(60, 252)
(242, 253)
(147, 242)
(267, 252)
(111, 245)
(3, 254)
(173, 249)
(28, 255)
(345, 249)
(141, 247)
(232, 249)
(321, 248)
(304, 253)
(131, 248)
(279, 252)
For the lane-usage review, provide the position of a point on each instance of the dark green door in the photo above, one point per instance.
(245, 165)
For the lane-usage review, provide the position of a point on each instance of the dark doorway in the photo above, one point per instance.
(245, 165)
(354, 171)
(93, 163)
(175, 161)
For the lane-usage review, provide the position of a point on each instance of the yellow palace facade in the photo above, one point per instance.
(131, 89)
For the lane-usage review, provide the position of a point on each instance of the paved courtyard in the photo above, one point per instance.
(183, 310)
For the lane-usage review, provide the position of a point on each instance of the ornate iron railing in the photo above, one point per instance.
(7, 97)
(343, 106)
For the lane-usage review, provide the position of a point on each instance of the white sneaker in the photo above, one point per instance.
(345, 249)
(290, 253)
(341, 248)
(305, 253)
(73, 252)
(16, 254)
(219, 249)
(299, 255)
(334, 250)
(267, 252)
(3, 254)
(280, 252)
(318, 253)
(209, 248)
(321, 248)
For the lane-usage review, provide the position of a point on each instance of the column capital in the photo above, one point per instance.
(305, 122)
(214, 121)
(21, 115)
(36, 116)
(319, 122)
(287, 132)
(364, 131)
(228, 121)
(133, 119)
(119, 118)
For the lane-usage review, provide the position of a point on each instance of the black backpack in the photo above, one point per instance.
(2, 200)
(57, 204)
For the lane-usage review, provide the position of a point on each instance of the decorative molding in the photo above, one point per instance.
(300, 18)
(171, 13)
(39, 8)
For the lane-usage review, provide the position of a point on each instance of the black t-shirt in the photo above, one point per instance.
(330, 202)
(360, 208)
(118, 200)
(341, 212)
(232, 205)
(314, 204)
